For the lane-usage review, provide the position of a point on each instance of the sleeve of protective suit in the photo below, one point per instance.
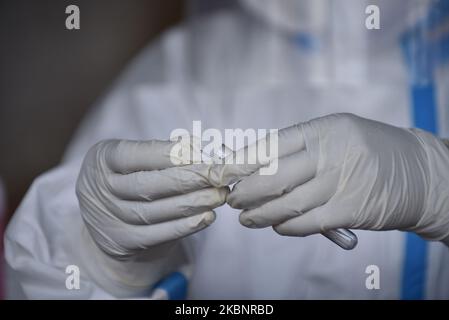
(343, 171)
(41, 238)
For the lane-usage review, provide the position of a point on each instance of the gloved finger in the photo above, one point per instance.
(156, 184)
(256, 189)
(125, 156)
(326, 217)
(180, 206)
(247, 160)
(303, 198)
(146, 236)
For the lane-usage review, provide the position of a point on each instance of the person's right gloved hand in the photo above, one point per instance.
(135, 202)
(344, 171)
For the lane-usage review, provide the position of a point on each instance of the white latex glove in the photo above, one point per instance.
(135, 203)
(343, 171)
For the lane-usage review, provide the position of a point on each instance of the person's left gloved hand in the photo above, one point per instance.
(138, 199)
(343, 171)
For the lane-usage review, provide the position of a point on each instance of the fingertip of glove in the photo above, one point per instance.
(246, 221)
(235, 198)
(208, 218)
(224, 193)
(232, 201)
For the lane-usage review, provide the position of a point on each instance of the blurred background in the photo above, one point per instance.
(50, 75)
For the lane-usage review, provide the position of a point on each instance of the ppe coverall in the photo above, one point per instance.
(156, 94)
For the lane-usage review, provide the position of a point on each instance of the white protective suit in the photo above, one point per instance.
(156, 95)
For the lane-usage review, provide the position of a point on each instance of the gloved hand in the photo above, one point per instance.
(343, 171)
(135, 203)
